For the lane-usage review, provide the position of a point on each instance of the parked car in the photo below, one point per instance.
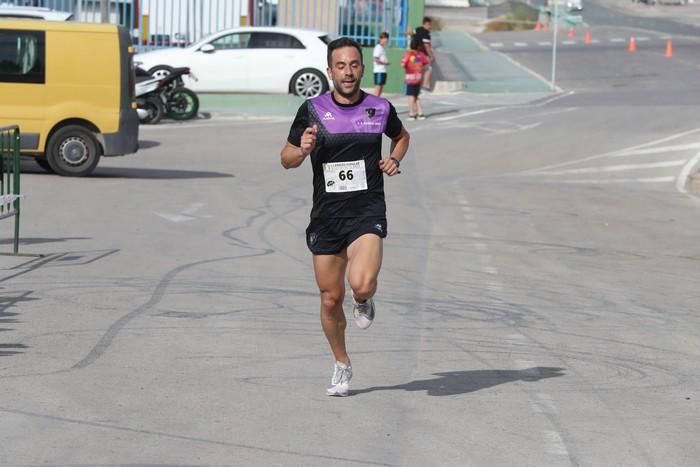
(250, 59)
(11, 11)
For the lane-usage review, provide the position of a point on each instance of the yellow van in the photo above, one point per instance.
(69, 87)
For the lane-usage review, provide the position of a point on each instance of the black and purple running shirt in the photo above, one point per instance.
(347, 179)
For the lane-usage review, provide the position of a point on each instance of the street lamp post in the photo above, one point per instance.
(555, 34)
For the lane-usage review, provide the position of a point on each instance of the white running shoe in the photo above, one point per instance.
(363, 313)
(342, 374)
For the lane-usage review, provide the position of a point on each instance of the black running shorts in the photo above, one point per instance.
(331, 236)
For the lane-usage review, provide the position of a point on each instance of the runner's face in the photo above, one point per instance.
(346, 71)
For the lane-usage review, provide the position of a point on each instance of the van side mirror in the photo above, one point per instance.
(207, 49)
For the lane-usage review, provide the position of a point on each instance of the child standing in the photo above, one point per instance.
(414, 62)
(380, 63)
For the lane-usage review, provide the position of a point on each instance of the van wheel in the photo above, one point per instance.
(44, 164)
(73, 151)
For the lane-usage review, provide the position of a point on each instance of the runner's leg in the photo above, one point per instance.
(364, 263)
(330, 277)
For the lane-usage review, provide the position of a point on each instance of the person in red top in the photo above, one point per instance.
(414, 62)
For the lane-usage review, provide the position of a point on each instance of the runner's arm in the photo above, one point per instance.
(293, 156)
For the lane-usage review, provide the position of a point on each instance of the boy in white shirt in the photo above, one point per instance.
(380, 63)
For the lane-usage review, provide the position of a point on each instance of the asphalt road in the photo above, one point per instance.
(537, 304)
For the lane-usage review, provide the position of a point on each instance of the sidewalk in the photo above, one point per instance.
(463, 59)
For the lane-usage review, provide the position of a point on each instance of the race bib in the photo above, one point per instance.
(342, 177)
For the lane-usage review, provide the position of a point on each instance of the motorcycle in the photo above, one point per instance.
(149, 106)
(165, 94)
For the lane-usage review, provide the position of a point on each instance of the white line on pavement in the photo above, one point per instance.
(617, 39)
(497, 44)
(613, 168)
(613, 180)
(520, 44)
(657, 150)
(612, 153)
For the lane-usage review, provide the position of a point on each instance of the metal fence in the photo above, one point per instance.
(178, 23)
(9, 179)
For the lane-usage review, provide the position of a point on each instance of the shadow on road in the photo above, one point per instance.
(453, 383)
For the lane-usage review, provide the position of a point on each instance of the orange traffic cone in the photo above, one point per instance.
(633, 45)
(572, 33)
(669, 49)
(538, 26)
(587, 38)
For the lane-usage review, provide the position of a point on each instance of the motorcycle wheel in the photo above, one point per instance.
(155, 110)
(182, 104)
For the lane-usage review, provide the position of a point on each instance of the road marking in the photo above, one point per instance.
(615, 168)
(613, 180)
(656, 150)
(569, 42)
(187, 214)
(497, 44)
(544, 44)
(520, 44)
(468, 114)
(612, 153)
(555, 444)
(641, 39)
(617, 39)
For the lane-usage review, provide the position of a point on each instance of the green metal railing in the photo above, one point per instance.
(9, 178)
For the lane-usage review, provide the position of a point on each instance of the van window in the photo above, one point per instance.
(22, 56)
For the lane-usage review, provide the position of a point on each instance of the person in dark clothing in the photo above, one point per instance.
(422, 34)
(341, 132)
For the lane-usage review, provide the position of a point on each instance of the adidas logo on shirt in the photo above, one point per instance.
(328, 116)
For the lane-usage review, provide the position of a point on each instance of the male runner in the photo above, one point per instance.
(342, 132)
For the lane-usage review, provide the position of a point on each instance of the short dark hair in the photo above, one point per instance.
(426, 19)
(383, 34)
(343, 42)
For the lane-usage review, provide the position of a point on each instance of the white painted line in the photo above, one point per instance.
(175, 217)
(468, 114)
(615, 168)
(609, 154)
(491, 270)
(641, 39)
(480, 246)
(527, 367)
(595, 41)
(618, 180)
(555, 443)
(657, 150)
(617, 39)
(569, 42)
(520, 44)
(496, 44)
(681, 181)
(544, 44)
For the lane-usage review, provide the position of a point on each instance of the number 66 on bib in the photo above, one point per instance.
(342, 177)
